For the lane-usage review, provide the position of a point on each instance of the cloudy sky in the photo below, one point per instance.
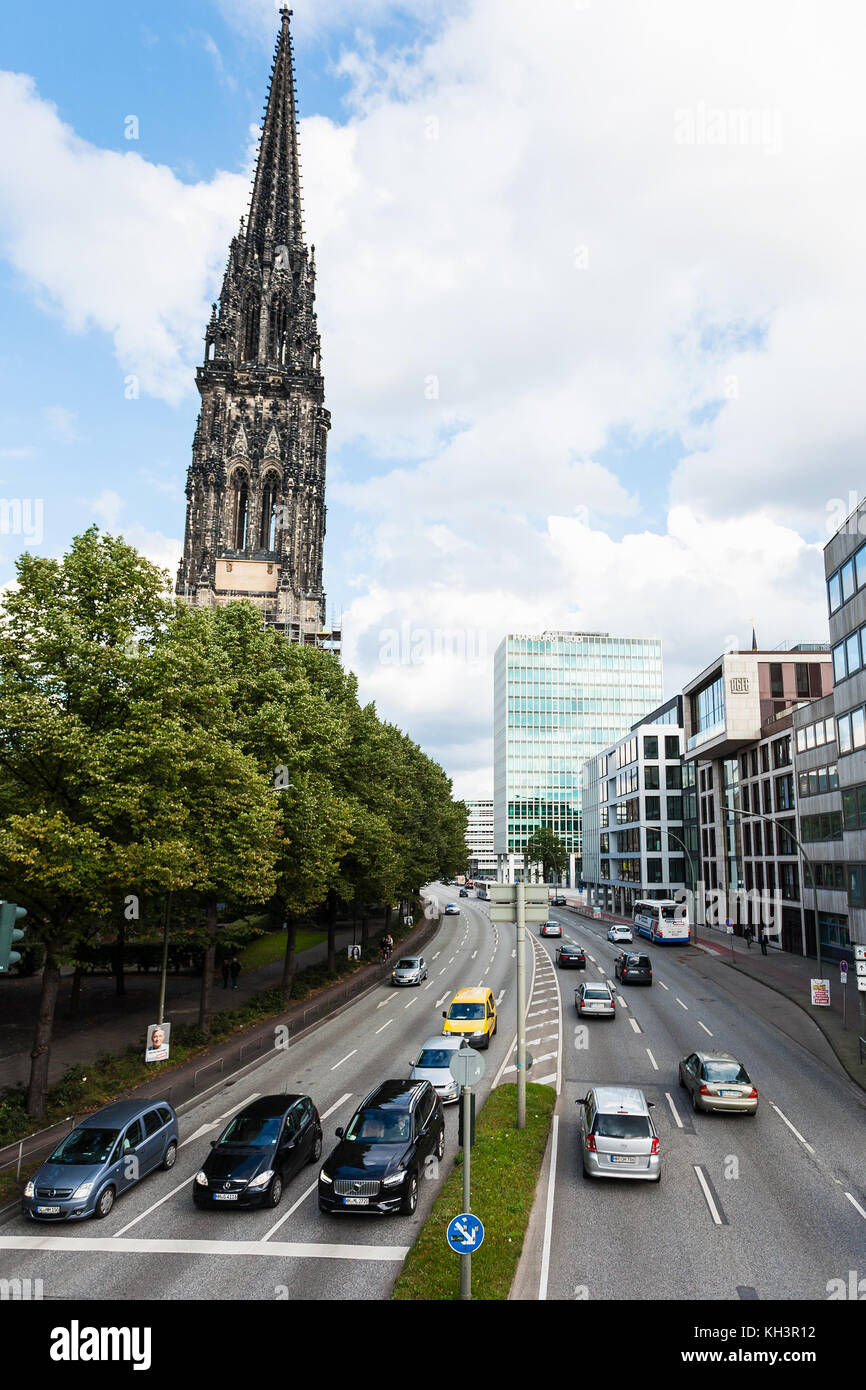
(591, 279)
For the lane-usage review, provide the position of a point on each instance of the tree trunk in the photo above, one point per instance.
(41, 1054)
(332, 933)
(365, 932)
(205, 1007)
(119, 953)
(289, 960)
(75, 994)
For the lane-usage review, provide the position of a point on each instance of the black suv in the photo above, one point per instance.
(633, 969)
(378, 1162)
(258, 1152)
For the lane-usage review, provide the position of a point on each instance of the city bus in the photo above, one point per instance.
(481, 890)
(662, 920)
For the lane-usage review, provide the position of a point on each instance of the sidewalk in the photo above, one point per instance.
(108, 1022)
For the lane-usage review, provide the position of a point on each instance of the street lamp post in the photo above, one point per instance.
(753, 815)
(676, 839)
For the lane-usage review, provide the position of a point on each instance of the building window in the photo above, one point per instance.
(777, 687)
(650, 746)
(785, 792)
(240, 509)
(653, 808)
(675, 808)
(746, 799)
(654, 872)
(654, 840)
(802, 678)
(789, 881)
(673, 777)
(782, 752)
(672, 745)
(651, 778)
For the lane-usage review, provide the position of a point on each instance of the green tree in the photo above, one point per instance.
(545, 847)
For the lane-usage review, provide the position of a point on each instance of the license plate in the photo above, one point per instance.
(356, 1201)
(729, 1093)
(225, 1196)
(48, 1211)
(623, 1158)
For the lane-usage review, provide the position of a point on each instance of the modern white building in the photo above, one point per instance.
(560, 698)
(479, 839)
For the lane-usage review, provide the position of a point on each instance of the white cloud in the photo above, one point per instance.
(108, 508)
(62, 422)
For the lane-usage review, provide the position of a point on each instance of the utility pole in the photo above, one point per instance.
(466, 1260)
(166, 917)
(521, 1007)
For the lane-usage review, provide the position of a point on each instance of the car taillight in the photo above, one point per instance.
(590, 1143)
(655, 1147)
(612, 1002)
(705, 1090)
(752, 1095)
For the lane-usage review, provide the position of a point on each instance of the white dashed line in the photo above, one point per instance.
(292, 1209)
(856, 1204)
(336, 1105)
(385, 1025)
(344, 1059)
(474, 954)
(410, 1003)
(437, 955)
(682, 1005)
(653, 1060)
(499, 998)
(714, 1211)
(794, 1131)
(662, 983)
(705, 1028)
(634, 1024)
(670, 1100)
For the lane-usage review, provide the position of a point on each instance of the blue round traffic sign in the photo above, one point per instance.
(465, 1233)
(843, 966)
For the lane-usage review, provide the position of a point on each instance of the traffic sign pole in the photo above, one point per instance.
(521, 1007)
(466, 1260)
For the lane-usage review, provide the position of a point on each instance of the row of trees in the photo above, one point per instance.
(154, 756)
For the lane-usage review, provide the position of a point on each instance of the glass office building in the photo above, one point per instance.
(559, 699)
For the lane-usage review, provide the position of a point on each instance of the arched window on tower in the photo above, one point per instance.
(268, 517)
(240, 508)
(251, 329)
(279, 329)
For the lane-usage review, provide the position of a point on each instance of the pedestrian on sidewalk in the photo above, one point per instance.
(225, 974)
(235, 969)
(763, 941)
(748, 935)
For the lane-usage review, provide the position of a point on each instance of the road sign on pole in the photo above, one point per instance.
(465, 1233)
(520, 903)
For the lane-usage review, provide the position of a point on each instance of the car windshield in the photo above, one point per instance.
(621, 1126)
(464, 1011)
(726, 1071)
(85, 1146)
(598, 992)
(407, 964)
(253, 1131)
(378, 1127)
(436, 1057)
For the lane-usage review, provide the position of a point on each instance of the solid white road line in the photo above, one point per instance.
(682, 1005)
(335, 1106)
(344, 1059)
(670, 1100)
(705, 1028)
(653, 1060)
(793, 1130)
(714, 1211)
(856, 1204)
(634, 1024)
(385, 1025)
(203, 1129)
(543, 1080)
(232, 1248)
(548, 1215)
(134, 1222)
(292, 1209)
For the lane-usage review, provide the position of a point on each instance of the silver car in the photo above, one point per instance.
(617, 1136)
(433, 1064)
(409, 970)
(595, 997)
(717, 1081)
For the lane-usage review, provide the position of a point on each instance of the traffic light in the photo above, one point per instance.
(10, 913)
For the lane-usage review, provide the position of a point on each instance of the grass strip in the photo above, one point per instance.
(506, 1162)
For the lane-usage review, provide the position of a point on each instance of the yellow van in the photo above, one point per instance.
(472, 1013)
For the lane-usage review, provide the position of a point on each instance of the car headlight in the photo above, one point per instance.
(83, 1191)
(394, 1178)
(201, 1178)
(263, 1179)
(29, 1189)
(479, 1033)
(324, 1177)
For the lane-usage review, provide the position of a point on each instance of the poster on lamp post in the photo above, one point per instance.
(157, 1042)
(821, 993)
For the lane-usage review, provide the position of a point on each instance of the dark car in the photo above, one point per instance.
(258, 1152)
(103, 1156)
(464, 892)
(633, 969)
(382, 1153)
(558, 901)
(571, 956)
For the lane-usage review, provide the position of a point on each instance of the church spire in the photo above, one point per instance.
(275, 215)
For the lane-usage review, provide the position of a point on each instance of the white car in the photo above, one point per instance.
(452, 910)
(620, 933)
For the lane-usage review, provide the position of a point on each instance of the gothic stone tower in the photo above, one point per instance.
(255, 519)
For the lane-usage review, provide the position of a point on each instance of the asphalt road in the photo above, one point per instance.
(770, 1207)
(156, 1245)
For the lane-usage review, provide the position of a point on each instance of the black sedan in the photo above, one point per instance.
(633, 969)
(568, 956)
(258, 1152)
(558, 901)
(464, 892)
(385, 1150)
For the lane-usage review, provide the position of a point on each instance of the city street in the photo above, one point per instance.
(770, 1207)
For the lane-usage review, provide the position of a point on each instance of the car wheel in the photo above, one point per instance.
(317, 1148)
(105, 1203)
(410, 1201)
(275, 1191)
(440, 1147)
(169, 1157)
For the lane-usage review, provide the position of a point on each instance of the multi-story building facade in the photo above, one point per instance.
(479, 839)
(845, 569)
(560, 698)
(255, 521)
(822, 868)
(738, 722)
(639, 836)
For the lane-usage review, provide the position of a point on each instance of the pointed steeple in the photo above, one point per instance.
(275, 215)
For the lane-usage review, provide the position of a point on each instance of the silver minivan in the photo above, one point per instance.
(617, 1136)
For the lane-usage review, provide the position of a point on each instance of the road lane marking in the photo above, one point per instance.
(856, 1204)
(620, 1000)
(437, 955)
(670, 1100)
(653, 1060)
(705, 1028)
(441, 1001)
(344, 1059)
(233, 1248)
(543, 1080)
(705, 1188)
(793, 1130)
(203, 1129)
(410, 1003)
(335, 1106)
(634, 1024)
(389, 1000)
(385, 1025)
(451, 961)
(136, 1219)
(548, 1215)
(292, 1209)
(681, 1004)
(662, 983)
(500, 997)
(474, 954)
(442, 971)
